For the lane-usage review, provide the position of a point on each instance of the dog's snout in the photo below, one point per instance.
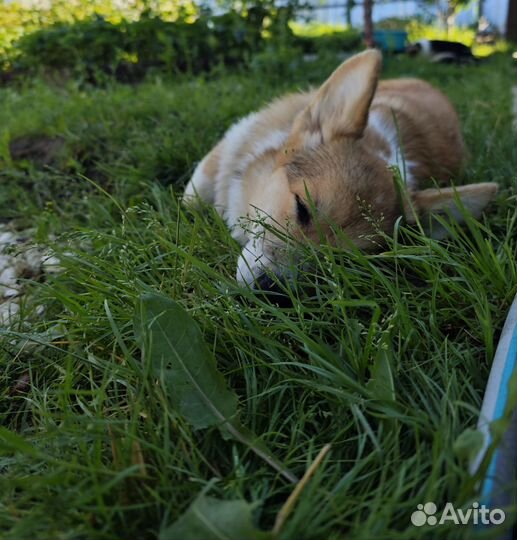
(266, 283)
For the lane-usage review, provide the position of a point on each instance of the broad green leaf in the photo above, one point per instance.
(208, 518)
(173, 346)
(468, 444)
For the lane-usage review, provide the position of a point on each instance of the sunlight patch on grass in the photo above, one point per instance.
(316, 29)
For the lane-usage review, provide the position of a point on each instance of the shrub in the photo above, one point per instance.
(65, 46)
(324, 38)
(18, 18)
(128, 49)
(344, 40)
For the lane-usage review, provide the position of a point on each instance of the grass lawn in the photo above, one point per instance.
(384, 356)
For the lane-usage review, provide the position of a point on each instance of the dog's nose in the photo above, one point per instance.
(273, 290)
(267, 284)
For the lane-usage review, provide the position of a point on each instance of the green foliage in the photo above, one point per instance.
(174, 352)
(128, 49)
(20, 18)
(65, 45)
(346, 40)
(324, 38)
(101, 37)
(211, 519)
(468, 444)
(394, 23)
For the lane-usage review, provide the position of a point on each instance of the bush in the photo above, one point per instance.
(321, 38)
(128, 49)
(18, 18)
(345, 40)
(94, 42)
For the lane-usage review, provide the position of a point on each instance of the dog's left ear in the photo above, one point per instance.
(340, 106)
(448, 203)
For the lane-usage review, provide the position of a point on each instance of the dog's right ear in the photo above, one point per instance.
(448, 203)
(340, 106)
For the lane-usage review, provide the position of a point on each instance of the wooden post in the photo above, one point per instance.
(368, 23)
(480, 9)
(511, 21)
(348, 13)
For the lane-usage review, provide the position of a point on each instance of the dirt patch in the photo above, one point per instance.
(36, 148)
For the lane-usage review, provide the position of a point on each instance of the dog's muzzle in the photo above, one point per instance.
(258, 270)
(252, 263)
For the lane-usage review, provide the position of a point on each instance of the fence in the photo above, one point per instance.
(352, 12)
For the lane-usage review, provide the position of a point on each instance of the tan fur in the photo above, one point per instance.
(429, 126)
(334, 146)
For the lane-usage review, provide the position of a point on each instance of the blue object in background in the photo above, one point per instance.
(390, 40)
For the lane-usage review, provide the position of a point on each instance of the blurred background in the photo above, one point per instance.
(127, 38)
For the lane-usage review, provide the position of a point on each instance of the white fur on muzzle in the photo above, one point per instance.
(253, 262)
(263, 256)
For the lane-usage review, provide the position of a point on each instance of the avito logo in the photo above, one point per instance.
(427, 514)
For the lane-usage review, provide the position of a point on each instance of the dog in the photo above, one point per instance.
(444, 52)
(312, 162)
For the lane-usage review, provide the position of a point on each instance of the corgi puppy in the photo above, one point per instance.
(313, 161)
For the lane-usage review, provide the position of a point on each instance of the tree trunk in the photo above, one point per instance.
(451, 16)
(480, 9)
(511, 21)
(348, 13)
(368, 23)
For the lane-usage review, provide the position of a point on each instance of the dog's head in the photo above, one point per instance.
(326, 176)
(414, 49)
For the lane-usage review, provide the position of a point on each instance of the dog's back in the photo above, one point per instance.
(428, 129)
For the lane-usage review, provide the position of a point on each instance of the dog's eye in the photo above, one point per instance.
(302, 212)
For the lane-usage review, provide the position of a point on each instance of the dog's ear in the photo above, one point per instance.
(340, 106)
(449, 204)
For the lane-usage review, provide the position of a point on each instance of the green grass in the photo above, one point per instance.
(96, 449)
